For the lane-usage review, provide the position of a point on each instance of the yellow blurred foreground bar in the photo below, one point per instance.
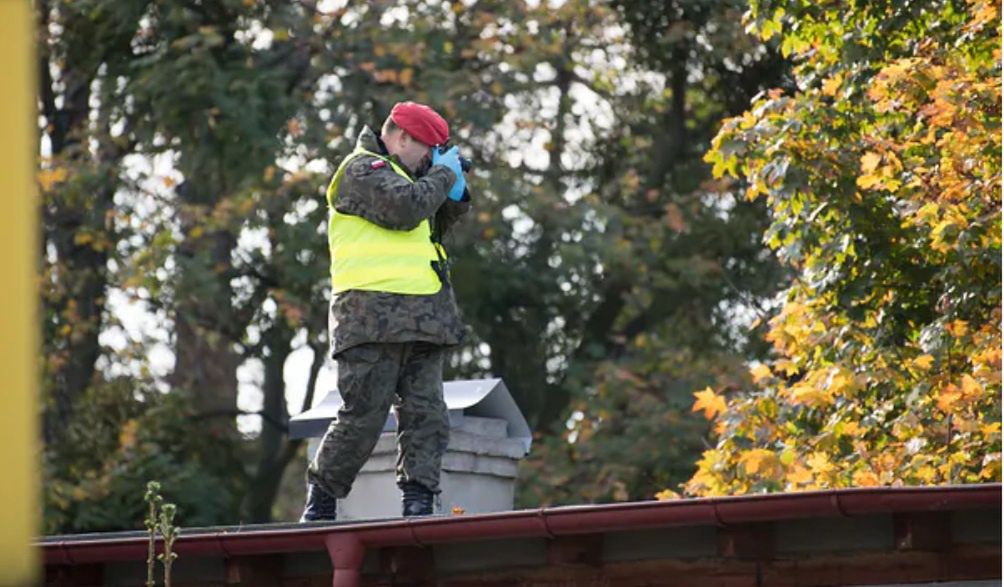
(19, 504)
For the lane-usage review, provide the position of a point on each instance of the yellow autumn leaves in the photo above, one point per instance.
(951, 394)
(926, 421)
(887, 350)
(51, 177)
(879, 173)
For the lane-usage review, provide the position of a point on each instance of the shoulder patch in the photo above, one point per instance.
(378, 164)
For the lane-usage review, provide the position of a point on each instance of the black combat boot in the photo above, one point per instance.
(416, 500)
(320, 505)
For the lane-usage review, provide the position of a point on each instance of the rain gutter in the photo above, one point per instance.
(347, 542)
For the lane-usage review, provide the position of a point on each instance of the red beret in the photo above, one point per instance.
(421, 122)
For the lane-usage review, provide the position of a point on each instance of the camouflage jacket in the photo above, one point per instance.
(386, 199)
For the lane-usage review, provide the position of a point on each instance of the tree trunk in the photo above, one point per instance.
(277, 449)
(72, 309)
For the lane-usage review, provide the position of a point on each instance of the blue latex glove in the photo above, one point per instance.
(451, 159)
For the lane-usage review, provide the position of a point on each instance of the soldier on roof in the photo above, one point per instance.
(393, 312)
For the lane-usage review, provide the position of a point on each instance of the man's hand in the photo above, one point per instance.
(451, 159)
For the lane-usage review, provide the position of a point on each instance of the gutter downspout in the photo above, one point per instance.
(347, 553)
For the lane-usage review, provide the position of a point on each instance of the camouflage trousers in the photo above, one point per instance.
(371, 378)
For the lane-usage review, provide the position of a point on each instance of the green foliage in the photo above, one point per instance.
(182, 85)
(122, 435)
(78, 179)
(882, 176)
(680, 261)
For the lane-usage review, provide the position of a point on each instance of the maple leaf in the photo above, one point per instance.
(667, 495)
(819, 463)
(948, 396)
(957, 328)
(761, 460)
(865, 478)
(832, 84)
(927, 474)
(971, 389)
(799, 475)
(870, 162)
(49, 178)
(709, 401)
(761, 373)
(806, 393)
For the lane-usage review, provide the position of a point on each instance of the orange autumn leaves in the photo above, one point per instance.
(882, 175)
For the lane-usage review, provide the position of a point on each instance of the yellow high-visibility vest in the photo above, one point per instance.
(365, 256)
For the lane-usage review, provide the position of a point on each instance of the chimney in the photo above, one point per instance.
(488, 437)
